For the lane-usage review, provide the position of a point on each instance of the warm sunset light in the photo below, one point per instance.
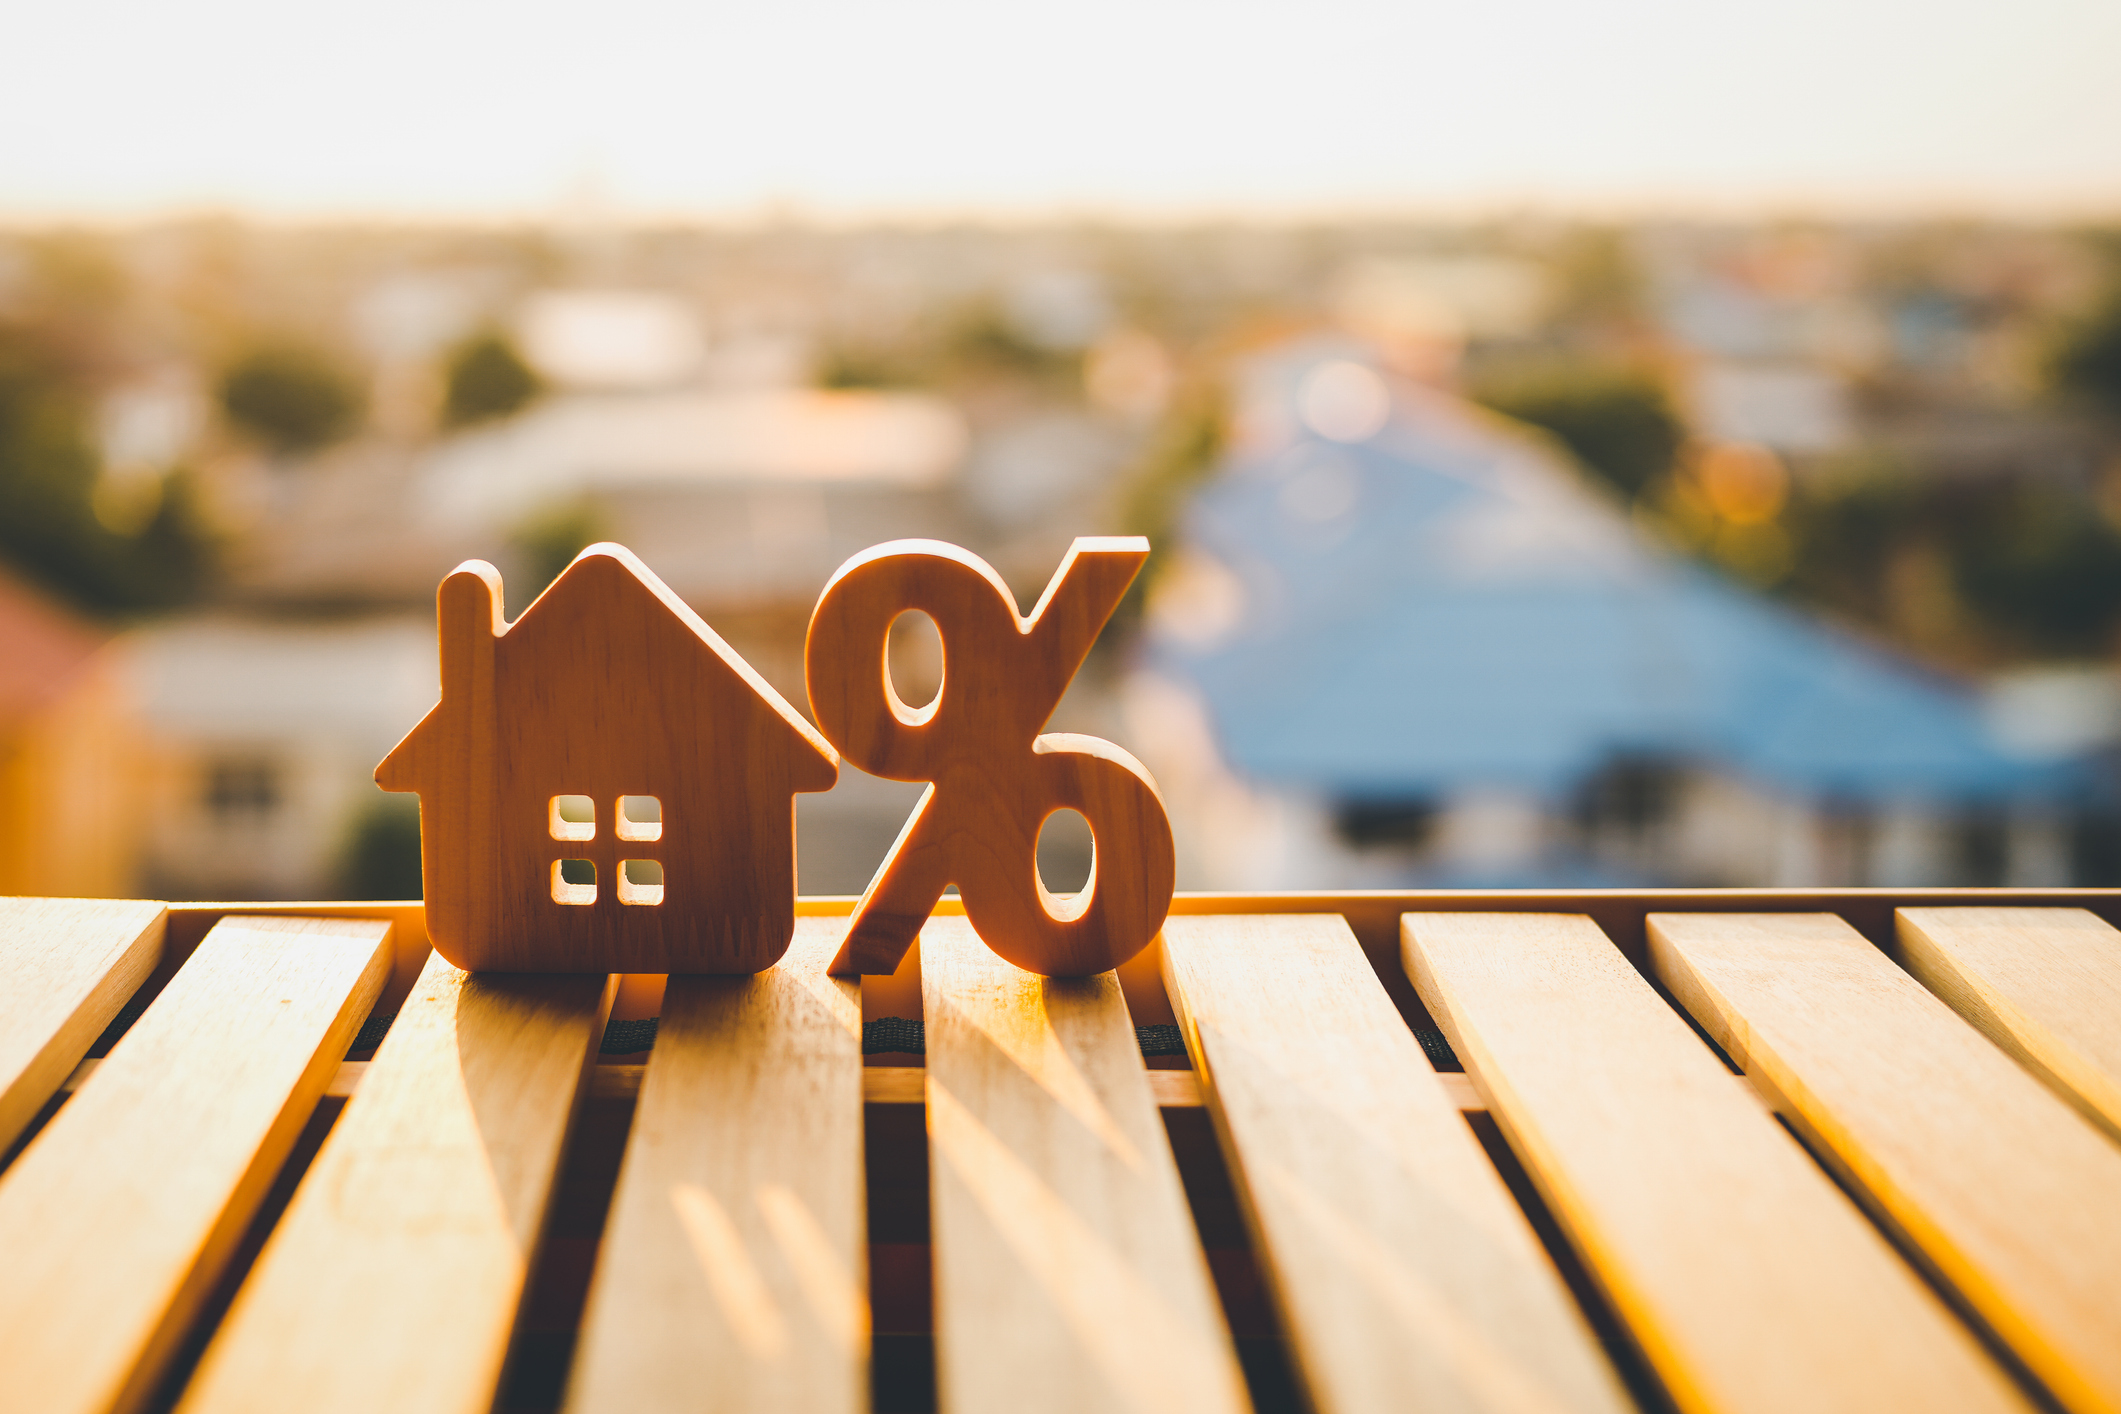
(950, 106)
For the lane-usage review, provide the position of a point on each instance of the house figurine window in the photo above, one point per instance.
(640, 881)
(574, 881)
(639, 820)
(573, 817)
(635, 819)
(638, 817)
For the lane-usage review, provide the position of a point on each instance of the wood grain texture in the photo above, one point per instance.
(66, 966)
(733, 1275)
(190, 922)
(118, 1216)
(1405, 1274)
(1068, 1275)
(606, 686)
(2043, 983)
(2005, 1189)
(1750, 1283)
(993, 778)
(392, 1280)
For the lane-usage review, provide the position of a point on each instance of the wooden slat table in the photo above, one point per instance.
(1723, 1151)
(735, 1236)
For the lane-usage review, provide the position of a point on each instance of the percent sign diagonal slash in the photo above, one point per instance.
(992, 778)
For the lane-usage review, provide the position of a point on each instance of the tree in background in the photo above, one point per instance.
(2090, 362)
(2086, 359)
(291, 397)
(983, 342)
(2042, 568)
(381, 859)
(1178, 457)
(1599, 284)
(546, 543)
(487, 379)
(974, 343)
(1977, 573)
(48, 473)
(1616, 418)
(847, 364)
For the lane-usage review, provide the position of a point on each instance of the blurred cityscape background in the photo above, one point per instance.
(1670, 445)
(1509, 552)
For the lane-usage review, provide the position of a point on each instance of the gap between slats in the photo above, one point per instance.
(907, 1085)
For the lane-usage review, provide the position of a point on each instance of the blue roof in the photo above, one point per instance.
(1450, 605)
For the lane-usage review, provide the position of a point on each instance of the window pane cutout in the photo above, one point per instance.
(639, 817)
(573, 817)
(564, 892)
(640, 881)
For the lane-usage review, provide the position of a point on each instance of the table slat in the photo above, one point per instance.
(2004, 1187)
(1751, 1284)
(2043, 983)
(117, 1218)
(733, 1271)
(393, 1279)
(1068, 1272)
(1405, 1273)
(66, 967)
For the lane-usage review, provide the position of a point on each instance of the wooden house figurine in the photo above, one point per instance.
(607, 687)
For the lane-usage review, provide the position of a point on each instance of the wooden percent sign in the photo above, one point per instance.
(993, 780)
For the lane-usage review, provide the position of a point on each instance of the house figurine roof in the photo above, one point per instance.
(607, 687)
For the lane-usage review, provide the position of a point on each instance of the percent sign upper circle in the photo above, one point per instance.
(992, 778)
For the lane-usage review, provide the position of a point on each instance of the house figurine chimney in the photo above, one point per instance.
(468, 609)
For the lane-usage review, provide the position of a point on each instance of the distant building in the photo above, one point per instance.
(1433, 653)
(68, 754)
(611, 338)
(737, 497)
(1788, 407)
(261, 739)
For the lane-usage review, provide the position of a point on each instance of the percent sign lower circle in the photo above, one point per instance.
(993, 779)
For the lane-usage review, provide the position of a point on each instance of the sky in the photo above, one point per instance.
(118, 108)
